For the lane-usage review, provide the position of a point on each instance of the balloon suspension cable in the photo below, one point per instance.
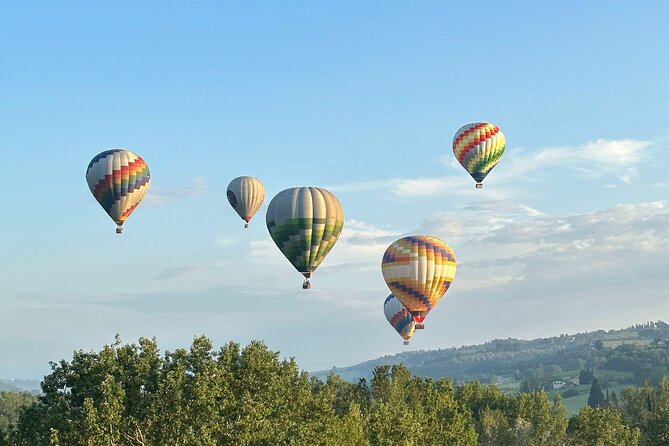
(306, 285)
(479, 185)
(406, 342)
(420, 326)
(246, 225)
(119, 229)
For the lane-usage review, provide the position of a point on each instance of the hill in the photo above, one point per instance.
(619, 358)
(19, 385)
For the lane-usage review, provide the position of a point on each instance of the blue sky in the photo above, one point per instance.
(570, 233)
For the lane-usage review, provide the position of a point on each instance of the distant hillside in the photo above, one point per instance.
(619, 358)
(20, 385)
(515, 359)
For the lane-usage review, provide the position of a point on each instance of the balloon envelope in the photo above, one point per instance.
(478, 147)
(118, 179)
(246, 195)
(305, 223)
(418, 269)
(399, 317)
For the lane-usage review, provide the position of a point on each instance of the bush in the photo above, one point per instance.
(569, 393)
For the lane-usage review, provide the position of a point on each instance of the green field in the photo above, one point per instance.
(615, 379)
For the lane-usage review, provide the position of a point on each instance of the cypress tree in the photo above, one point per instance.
(596, 398)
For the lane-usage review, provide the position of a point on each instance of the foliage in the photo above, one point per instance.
(131, 395)
(586, 376)
(569, 393)
(600, 426)
(10, 405)
(596, 398)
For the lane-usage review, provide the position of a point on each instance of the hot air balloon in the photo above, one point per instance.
(305, 223)
(399, 317)
(246, 195)
(418, 270)
(478, 147)
(118, 179)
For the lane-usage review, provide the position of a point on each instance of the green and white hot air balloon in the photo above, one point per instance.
(305, 223)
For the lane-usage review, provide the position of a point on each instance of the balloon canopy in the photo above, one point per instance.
(305, 223)
(478, 147)
(399, 317)
(418, 269)
(118, 179)
(246, 195)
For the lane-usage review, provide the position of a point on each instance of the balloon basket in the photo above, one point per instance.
(479, 185)
(306, 285)
(420, 326)
(119, 230)
(406, 342)
(246, 225)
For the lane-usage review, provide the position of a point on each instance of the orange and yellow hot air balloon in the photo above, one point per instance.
(418, 269)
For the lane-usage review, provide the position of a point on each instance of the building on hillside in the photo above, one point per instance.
(558, 385)
(575, 381)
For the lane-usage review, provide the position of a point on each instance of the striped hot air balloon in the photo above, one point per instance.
(246, 195)
(118, 179)
(399, 317)
(305, 223)
(418, 269)
(479, 147)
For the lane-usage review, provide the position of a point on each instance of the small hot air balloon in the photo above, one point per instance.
(246, 195)
(399, 317)
(479, 147)
(305, 223)
(118, 179)
(418, 270)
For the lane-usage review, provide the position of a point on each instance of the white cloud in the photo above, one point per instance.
(477, 219)
(582, 250)
(224, 242)
(595, 158)
(177, 273)
(264, 252)
(617, 157)
(622, 152)
(156, 196)
(405, 187)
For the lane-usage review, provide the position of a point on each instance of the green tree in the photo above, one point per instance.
(655, 430)
(494, 428)
(596, 397)
(601, 426)
(613, 400)
(538, 421)
(11, 404)
(586, 376)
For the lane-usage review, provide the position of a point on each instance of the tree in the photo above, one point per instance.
(613, 401)
(494, 428)
(131, 395)
(596, 398)
(595, 426)
(538, 421)
(586, 376)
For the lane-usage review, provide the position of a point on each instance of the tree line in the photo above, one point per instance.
(132, 395)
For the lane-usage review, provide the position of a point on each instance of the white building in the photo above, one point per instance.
(557, 385)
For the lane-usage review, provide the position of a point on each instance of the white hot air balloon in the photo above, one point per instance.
(246, 195)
